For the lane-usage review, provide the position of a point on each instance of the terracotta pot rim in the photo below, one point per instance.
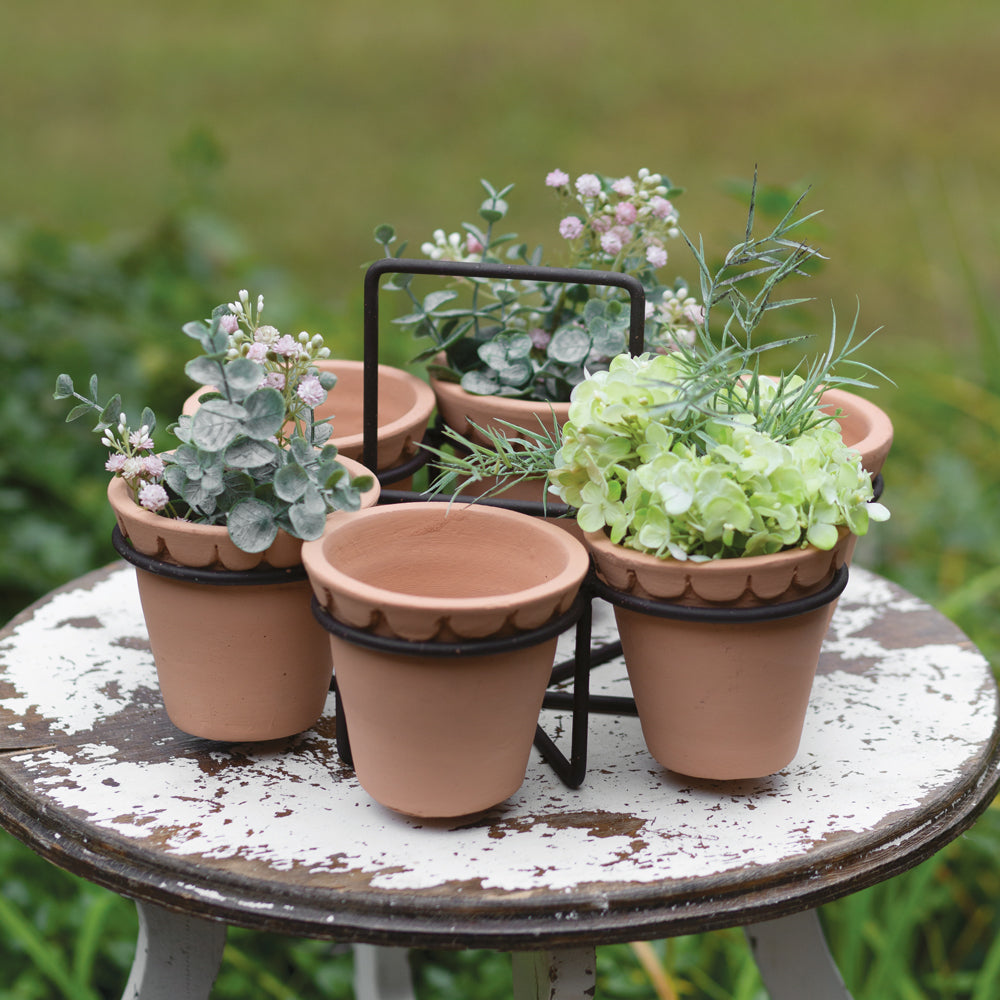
(447, 613)
(424, 401)
(158, 537)
(876, 443)
(740, 581)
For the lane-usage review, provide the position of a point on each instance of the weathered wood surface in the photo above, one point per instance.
(899, 756)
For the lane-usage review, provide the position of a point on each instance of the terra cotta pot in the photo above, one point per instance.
(721, 699)
(864, 426)
(239, 656)
(405, 405)
(445, 730)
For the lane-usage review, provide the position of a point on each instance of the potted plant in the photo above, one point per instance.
(509, 350)
(719, 505)
(444, 621)
(215, 526)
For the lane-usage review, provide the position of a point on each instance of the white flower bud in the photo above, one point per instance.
(303, 337)
(260, 304)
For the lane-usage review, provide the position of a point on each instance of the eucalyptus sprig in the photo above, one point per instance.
(252, 456)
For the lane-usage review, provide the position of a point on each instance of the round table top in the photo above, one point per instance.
(899, 755)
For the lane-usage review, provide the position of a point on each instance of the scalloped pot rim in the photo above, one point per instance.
(743, 581)
(403, 570)
(201, 545)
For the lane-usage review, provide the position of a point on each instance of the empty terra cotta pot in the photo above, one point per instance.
(442, 730)
(239, 656)
(721, 699)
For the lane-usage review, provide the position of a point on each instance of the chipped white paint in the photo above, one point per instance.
(886, 728)
(67, 663)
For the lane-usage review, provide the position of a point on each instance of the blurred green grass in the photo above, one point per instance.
(333, 117)
(155, 157)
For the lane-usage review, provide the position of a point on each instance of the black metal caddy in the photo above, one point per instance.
(578, 700)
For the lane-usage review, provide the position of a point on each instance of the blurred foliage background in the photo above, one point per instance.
(155, 157)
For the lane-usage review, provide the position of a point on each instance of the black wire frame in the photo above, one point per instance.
(571, 770)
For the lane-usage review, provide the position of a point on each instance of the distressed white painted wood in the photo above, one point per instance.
(898, 755)
(793, 959)
(382, 973)
(554, 974)
(177, 956)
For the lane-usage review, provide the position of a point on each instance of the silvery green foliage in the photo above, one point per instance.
(248, 458)
(536, 340)
(669, 470)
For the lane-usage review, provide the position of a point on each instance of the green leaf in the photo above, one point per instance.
(64, 387)
(493, 210)
(111, 412)
(308, 517)
(196, 329)
(148, 419)
(246, 453)
(237, 486)
(290, 482)
(494, 353)
(217, 424)
(384, 234)
(204, 371)
(518, 373)
(480, 384)
(176, 478)
(251, 525)
(80, 410)
(327, 379)
(242, 376)
(570, 345)
(265, 414)
(434, 300)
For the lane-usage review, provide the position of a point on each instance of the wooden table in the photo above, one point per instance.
(900, 754)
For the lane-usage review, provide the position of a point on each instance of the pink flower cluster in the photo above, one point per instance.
(132, 458)
(675, 319)
(616, 219)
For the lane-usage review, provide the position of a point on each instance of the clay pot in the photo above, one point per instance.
(442, 731)
(719, 699)
(864, 427)
(460, 409)
(239, 656)
(405, 405)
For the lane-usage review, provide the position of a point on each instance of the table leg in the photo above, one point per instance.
(177, 957)
(382, 973)
(791, 951)
(554, 974)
